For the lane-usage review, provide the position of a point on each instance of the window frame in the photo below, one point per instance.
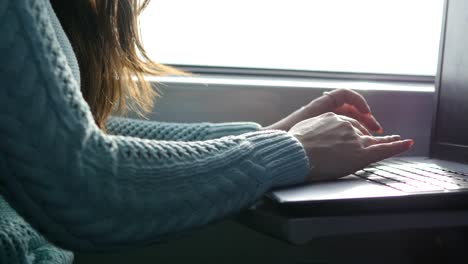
(303, 74)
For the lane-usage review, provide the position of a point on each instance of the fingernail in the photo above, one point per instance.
(377, 122)
(411, 142)
(380, 131)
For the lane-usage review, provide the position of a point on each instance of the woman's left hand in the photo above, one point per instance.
(341, 101)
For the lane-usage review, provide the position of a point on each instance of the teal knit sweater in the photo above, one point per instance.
(141, 183)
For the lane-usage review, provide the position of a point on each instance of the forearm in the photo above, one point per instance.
(176, 131)
(172, 187)
(111, 192)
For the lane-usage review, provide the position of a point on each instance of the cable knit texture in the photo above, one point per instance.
(21, 244)
(85, 190)
(177, 132)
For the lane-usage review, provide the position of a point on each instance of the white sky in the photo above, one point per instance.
(383, 36)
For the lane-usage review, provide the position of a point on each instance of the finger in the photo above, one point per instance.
(382, 151)
(358, 132)
(357, 125)
(387, 139)
(366, 119)
(346, 96)
(380, 130)
(370, 140)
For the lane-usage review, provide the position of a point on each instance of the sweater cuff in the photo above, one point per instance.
(231, 129)
(282, 155)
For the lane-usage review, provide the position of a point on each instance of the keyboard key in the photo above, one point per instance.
(403, 187)
(437, 173)
(381, 179)
(462, 184)
(413, 177)
(429, 187)
(361, 173)
(425, 177)
(391, 175)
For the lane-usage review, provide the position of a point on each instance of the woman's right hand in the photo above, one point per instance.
(338, 145)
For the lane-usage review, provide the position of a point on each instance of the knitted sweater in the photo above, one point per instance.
(86, 190)
(20, 243)
(175, 131)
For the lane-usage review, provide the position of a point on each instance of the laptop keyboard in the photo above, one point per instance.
(413, 177)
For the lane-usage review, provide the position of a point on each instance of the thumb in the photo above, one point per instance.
(382, 151)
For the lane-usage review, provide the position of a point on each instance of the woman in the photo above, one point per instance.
(90, 182)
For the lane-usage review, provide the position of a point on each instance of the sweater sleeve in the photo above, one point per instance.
(20, 243)
(88, 191)
(176, 131)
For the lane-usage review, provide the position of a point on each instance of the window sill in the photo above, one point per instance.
(273, 82)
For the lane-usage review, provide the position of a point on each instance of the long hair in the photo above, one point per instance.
(105, 38)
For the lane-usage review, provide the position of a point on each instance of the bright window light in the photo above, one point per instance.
(364, 36)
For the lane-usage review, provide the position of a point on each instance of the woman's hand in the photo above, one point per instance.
(342, 101)
(337, 145)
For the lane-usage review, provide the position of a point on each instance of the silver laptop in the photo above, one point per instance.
(438, 181)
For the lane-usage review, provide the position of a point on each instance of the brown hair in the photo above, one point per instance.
(105, 37)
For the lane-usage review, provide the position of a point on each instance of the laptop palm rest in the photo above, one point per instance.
(349, 187)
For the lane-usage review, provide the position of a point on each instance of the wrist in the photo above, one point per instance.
(282, 156)
(274, 126)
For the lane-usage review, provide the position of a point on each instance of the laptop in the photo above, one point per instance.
(439, 181)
